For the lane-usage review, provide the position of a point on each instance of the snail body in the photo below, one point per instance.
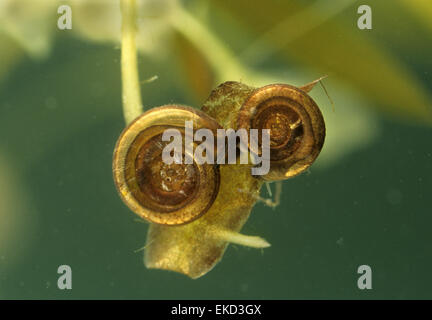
(195, 248)
(204, 206)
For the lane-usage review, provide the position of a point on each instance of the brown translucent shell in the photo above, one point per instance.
(296, 125)
(168, 194)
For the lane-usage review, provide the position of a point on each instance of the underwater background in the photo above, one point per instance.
(366, 200)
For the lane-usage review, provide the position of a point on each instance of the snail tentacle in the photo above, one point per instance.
(241, 239)
(309, 86)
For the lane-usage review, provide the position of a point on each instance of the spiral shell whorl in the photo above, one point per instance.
(296, 127)
(162, 193)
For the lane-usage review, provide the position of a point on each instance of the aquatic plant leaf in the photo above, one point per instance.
(198, 74)
(340, 50)
(422, 9)
(30, 23)
(10, 54)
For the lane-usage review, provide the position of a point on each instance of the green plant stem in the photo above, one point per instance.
(220, 58)
(132, 105)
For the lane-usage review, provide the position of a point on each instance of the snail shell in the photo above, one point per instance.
(297, 128)
(296, 125)
(168, 194)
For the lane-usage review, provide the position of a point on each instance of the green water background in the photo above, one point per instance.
(59, 120)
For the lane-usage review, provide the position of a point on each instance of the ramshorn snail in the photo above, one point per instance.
(168, 194)
(296, 125)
